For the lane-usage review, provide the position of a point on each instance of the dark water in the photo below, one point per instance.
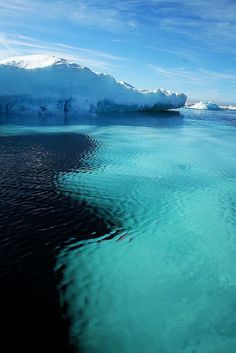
(35, 222)
(169, 177)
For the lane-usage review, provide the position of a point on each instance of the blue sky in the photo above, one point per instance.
(187, 46)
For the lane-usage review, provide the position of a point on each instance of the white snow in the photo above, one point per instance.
(204, 105)
(228, 107)
(48, 84)
(32, 61)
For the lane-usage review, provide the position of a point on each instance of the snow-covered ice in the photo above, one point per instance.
(228, 107)
(204, 105)
(48, 84)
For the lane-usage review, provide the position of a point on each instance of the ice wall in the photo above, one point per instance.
(46, 84)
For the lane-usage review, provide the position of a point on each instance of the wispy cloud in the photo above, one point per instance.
(87, 13)
(15, 5)
(215, 75)
(207, 22)
(180, 74)
(197, 75)
(183, 52)
(22, 45)
(95, 53)
(106, 17)
(198, 83)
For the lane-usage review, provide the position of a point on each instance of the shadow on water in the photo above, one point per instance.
(161, 119)
(170, 119)
(36, 222)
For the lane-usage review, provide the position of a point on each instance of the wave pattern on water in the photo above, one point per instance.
(36, 222)
(166, 280)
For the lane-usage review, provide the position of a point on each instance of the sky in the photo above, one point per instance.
(185, 46)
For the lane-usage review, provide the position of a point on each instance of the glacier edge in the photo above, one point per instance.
(42, 84)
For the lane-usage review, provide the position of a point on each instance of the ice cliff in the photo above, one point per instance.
(47, 84)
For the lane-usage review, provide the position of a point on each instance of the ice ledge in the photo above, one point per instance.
(47, 84)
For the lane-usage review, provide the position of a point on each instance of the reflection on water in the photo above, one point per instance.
(140, 212)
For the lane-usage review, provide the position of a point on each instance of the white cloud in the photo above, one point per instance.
(197, 75)
(101, 17)
(198, 83)
(22, 45)
(215, 75)
(101, 14)
(209, 22)
(180, 74)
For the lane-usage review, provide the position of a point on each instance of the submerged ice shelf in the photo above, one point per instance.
(44, 84)
(166, 281)
(163, 279)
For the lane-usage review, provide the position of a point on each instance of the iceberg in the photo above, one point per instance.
(44, 84)
(229, 107)
(204, 105)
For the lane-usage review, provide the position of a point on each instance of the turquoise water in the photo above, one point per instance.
(166, 281)
(163, 279)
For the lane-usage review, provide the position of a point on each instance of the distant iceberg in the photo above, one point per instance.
(203, 105)
(231, 107)
(228, 107)
(47, 84)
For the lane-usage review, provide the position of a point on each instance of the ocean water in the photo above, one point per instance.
(140, 215)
